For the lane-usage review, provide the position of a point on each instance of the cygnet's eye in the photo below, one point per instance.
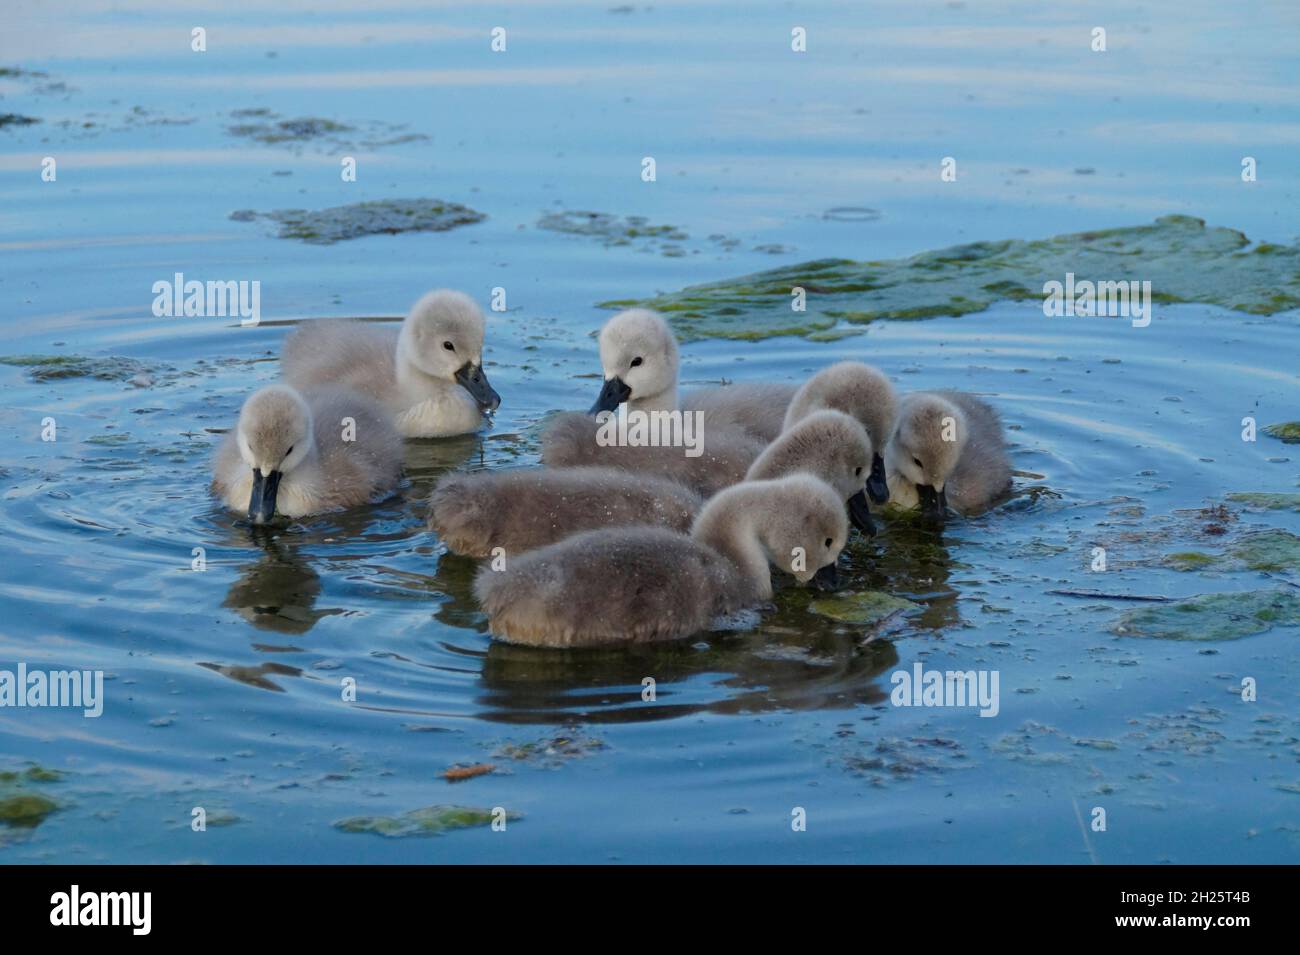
(917, 462)
(857, 472)
(449, 346)
(636, 361)
(828, 543)
(289, 452)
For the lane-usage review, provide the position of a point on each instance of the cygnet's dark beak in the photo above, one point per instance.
(473, 379)
(877, 486)
(860, 514)
(261, 504)
(612, 395)
(827, 579)
(934, 504)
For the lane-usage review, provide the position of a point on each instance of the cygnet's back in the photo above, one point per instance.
(361, 452)
(570, 440)
(525, 508)
(756, 409)
(358, 355)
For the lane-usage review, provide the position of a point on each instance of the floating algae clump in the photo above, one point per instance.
(1267, 550)
(288, 130)
(53, 367)
(20, 809)
(1190, 560)
(870, 607)
(270, 128)
(429, 821)
(35, 774)
(611, 229)
(1213, 616)
(1288, 431)
(1183, 260)
(1267, 501)
(25, 810)
(378, 217)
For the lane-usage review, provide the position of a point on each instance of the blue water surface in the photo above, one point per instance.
(224, 686)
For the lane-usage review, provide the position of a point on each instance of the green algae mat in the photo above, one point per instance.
(1182, 259)
(20, 807)
(1211, 617)
(429, 821)
(360, 219)
(1266, 549)
(866, 608)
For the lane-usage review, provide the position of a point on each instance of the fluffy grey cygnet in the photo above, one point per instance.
(947, 450)
(525, 508)
(648, 584)
(429, 374)
(862, 392)
(294, 455)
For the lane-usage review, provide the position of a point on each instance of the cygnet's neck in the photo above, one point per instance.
(726, 524)
(664, 401)
(776, 461)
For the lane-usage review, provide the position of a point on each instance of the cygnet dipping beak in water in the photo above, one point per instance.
(296, 455)
(947, 448)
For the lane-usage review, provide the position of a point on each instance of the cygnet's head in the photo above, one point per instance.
(638, 354)
(802, 527)
(927, 442)
(829, 445)
(861, 392)
(442, 337)
(274, 435)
